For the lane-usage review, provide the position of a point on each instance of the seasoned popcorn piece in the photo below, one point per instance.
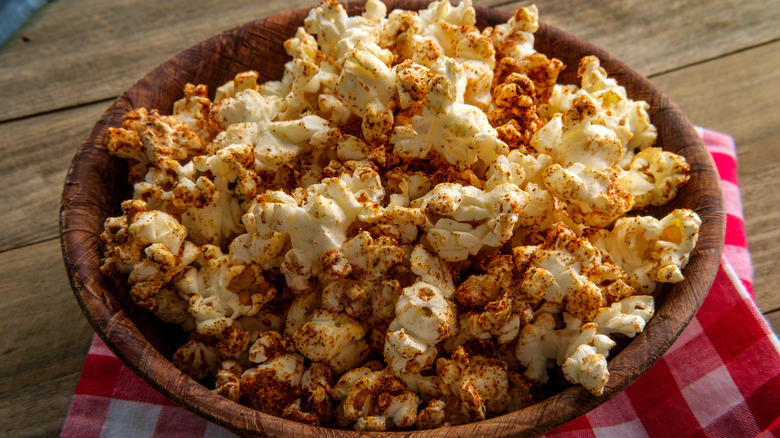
(513, 109)
(466, 218)
(379, 401)
(274, 382)
(461, 134)
(593, 198)
(153, 138)
(540, 344)
(624, 112)
(650, 250)
(654, 176)
(318, 222)
(627, 316)
(423, 318)
(569, 270)
(574, 137)
(479, 384)
(194, 110)
(333, 338)
(498, 307)
(432, 270)
(196, 359)
(149, 246)
(367, 86)
(220, 292)
(313, 406)
(228, 382)
(446, 31)
(337, 34)
(242, 81)
(358, 279)
(586, 359)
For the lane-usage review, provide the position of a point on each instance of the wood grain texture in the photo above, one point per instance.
(93, 190)
(654, 37)
(44, 340)
(747, 89)
(37, 152)
(774, 320)
(38, 410)
(73, 58)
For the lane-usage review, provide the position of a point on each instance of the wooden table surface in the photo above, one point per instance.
(718, 61)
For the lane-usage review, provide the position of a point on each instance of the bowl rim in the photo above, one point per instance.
(79, 233)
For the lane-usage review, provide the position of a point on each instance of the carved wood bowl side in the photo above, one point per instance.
(96, 185)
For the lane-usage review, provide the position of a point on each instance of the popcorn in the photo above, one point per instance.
(651, 251)
(453, 236)
(408, 229)
(479, 383)
(586, 361)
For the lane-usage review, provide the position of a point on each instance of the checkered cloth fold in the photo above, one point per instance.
(721, 378)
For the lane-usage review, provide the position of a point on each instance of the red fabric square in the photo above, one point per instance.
(99, 375)
(736, 330)
(654, 388)
(754, 368)
(721, 297)
(764, 403)
(671, 419)
(727, 166)
(130, 387)
(175, 422)
(735, 231)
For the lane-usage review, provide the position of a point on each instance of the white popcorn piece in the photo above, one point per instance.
(586, 359)
(593, 198)
(458, 132)
(423, 317)
(220, 292)
(653, 176)
(574, 137)
(627, 316)
(496, 211)
(650, 250)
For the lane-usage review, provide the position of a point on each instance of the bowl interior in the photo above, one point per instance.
(96, 185)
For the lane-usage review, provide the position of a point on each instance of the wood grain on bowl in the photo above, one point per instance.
(96, 185)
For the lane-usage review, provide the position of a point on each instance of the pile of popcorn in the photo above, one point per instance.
(415, 227)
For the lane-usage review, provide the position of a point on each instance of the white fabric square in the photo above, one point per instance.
(699, 395)
(690, 332)
(633, 429)
(620, 411)
(124, 416)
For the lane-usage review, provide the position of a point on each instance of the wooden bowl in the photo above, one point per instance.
(96, 184)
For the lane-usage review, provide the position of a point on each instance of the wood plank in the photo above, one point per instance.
(740, 100)
(39, 410)
(658, 36)
(72, 58)
(45, 334)
(37, 153)
(774, 320)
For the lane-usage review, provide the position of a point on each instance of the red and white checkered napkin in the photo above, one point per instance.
(721, 378)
